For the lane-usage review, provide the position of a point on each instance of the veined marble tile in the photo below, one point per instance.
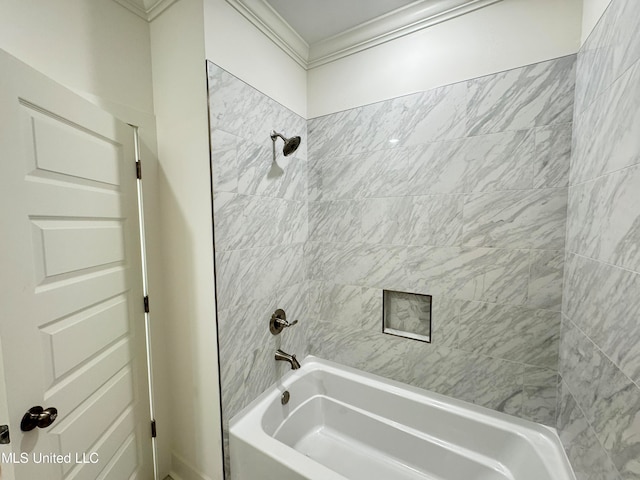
(552, 156)
(499, 161)
(616, 411)
(620, 223)
(485, 381)
(529, 219)
(380, 266)
(609, 400)
(258, 174)
(596, 65)
(389, 356)
(293, 222)
(434, 115)
(580, 366)
(224, 161)
(603, 222)
(595, 70)
(431, 168)
(540, 377)
(347, 177)
(415, 170)
(377, 266)
(497, 384)
(545, 279)
(421, 220)
(244, 329)
(539, 404)
(377, 353)
(615, 115)
(242, 221)
(335, 221)
(440, 115)
(240, 109)
(485, 274)
(484, 163)
(341, 304)
(314, 259)
(387, 220)
(583, 208)
(257, 273)
(444, 321)
(372, 309)
(583, 166)
(234, 106)
(364, 129)
(512, 333)
(436, 220)
(627, 26)
(601, 301)
(442, 370)
(523, 98)
(446, 371)
(588, 459)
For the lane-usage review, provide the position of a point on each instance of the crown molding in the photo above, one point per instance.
(269, 22)
(146, 9)
(398, 23)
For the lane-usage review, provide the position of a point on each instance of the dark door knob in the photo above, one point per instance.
(38, 417)
(4, 435)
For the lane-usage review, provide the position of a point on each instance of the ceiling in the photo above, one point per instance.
(316, 32)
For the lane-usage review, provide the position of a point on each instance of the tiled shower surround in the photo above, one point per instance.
(458, 192)
(599, 417)
(260, 229)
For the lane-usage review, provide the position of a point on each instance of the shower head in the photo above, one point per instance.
(290, 144)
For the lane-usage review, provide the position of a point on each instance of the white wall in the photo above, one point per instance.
(89, 46)
(592, 11)
(180, 100)
(502, 36)
(240, 48)
(101, 51)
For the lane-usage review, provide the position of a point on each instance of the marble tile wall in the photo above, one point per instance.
(442, 193)
(260, 229)
(599, 392)
(460, 193)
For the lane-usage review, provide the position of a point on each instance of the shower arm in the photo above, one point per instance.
(275, 135)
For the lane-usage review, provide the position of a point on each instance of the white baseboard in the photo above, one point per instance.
(182, 470)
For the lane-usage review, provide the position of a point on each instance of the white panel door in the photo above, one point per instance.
(71, 312)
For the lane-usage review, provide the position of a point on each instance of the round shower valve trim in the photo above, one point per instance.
(279, 322)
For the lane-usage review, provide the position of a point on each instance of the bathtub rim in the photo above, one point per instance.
(242, 424)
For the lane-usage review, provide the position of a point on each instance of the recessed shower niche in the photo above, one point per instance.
(406, 315)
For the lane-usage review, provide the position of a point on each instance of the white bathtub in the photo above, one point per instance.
(341, 423)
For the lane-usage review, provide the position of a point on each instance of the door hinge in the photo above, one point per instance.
(153, 429)
(139, 169)
(146, 304)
